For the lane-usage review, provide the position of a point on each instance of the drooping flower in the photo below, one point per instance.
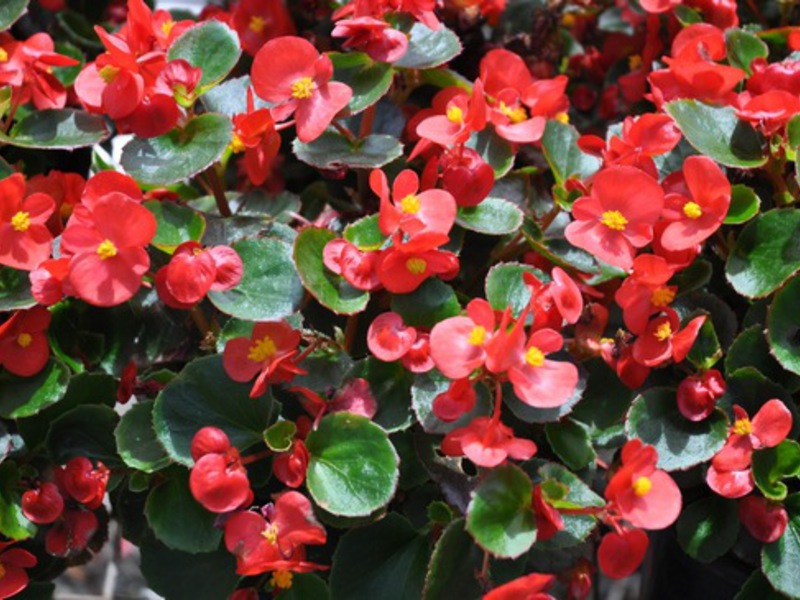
(487, 443)
(290, 467)
(43, 504)
(25, 241)
(83, 481)
(71, 534)
(24, 349)
(254, 134)
(358, 267)
(698, 394)
(457, 400)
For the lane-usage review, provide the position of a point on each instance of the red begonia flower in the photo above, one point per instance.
(355, 397)
(418, 358)
(466, 176)
(388, 338)
(778, 76)
(290, 467)
(769, 111)
(548, 520)
(64, 188)
(658, 6)
(533, 586)
(44, 504)
(698, 394)
(457, 400)
(219, 482)
(457, 115)
(13, 562)
(645, 292)
(258, 21)
(375, 37)
(764, 520)
(254, 134)
(663, 340)
(72, 533)
(487, 443)
(359, 268)
(539, 381)
(620, 554)
(49, 280)
(24, 349)
(25, 241)
(209, 440)
(458, 344)
(404, 266)
(84, 482)
(501, 69)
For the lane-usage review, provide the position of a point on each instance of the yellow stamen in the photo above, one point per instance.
(3, 55)
(262, 350)
(663, 296)
(642, 486)
(534, 357)
(613, 219)
(410, 204)
(568, 20)
(515, 115)
(271, 533)
(109, 73)
(743, 427)
(634, 62)
(237, 145)
(303, 88)
(24, 340)
(281, 579)
(477, 336)
(166, 26)
(257, 24)
(416, 266)
(663, 332)
(562, 117)
(107, 249)
(455, 114)
(607, 340)
(692, 210)
(21, 221)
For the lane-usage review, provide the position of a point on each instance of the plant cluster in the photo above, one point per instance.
(399, 299)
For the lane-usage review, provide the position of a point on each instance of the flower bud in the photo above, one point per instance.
(698, 394)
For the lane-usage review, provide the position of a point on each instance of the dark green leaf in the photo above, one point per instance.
(780, 560)
(179, 154)
(706, 350)
(744, 205)
(758, 588)
(496, 151)
(506, 288)
(493, 216)
(230, 97)
(455, 561)
(390, 384)
(353, 468)
(13, 523)
(772, 465)
(176, 224)
(64, 129)
(571, 442)
(428, 48)
(560, 145)
(10, 11)
(212, 46)
(605, 400)
(708, 528)
(783, 326)
(136, 439)
(333, 151)
(368, 79)
(87, 430)
(26, 396)
(743, 48)
(305, 586)
(718, 133)
(431, 302)
(750, 349)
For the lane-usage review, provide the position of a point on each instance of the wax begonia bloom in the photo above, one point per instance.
(418, 358)
(643, 495)
(411, 211)
(548, 520)
(25, 241)
(72, 533)
(83, 481)
(375, 37)
(620, 554)
(618, 216)
(697, 394)
(566, 295)
(456, 401)
(533, 586)
(277, 542)
(645, 292)
(663, 339)
(764, 520)
(290, 72)
(24, 349)
(268, 353)
(501, 69)
(64, 188)
(219, 482)
(457, 114)
(388, 338)
(258, 21)
(658, 6)
(49, 281)
(539, 381)
(458, 343)
(467, 177)
(209, 440)
(487, 443)
(254, 134)
(44, 504)
(290, 467)
(404, 266)
(358, 267)
(13, 562)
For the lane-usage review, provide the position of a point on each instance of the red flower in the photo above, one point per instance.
(64, 188)
(48, 281)
(13, 563)
(729, 474)
(278, 541)
(466, 175)
(290, 467)
(375, 37)
(770, 111)
(533, 586)
(662, 339)
(107, 242)
(418, 358)
(44, 504)
(254, 134)
(404, 266)
(645, 292)
(268, 352)
(618, 216)
(218, 479)
(84, 482)
(487, 443)
(658, 6)
(548, 519)
(24, 349)
(698, 394)
(25, 241)
(457, 400)
(620, 554)
(456, 114)
(501, 70)
(541, 382)
(431, 211)
(290, 72)
(359, 268)
(388, 338)
(72, 533)
(643, 495)
(764, 520)
(258, 21)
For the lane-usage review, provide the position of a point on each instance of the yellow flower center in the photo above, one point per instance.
(107, 249)
(562, 117)
(642, 486)
(663, 296)
(568, 20)
(303, 88)
(455, 114)
(477, 336)
(692, 210)
(109, 73)
(257, 24)
(613, 219)
(743, 427)
(416, 266)
(262, 350)
(3, 55)
(281, 579)
(534, 357)
(516, 115)
(634, 62)
(663, 332)
(271, 533)
(24, 340)
(237, 145)
(21, 221)
(166, 26)
(410, 204)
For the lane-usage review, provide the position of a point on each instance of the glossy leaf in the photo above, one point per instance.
(708, 528)
(10, 11)
(743, 48)
(493, 149)
(493, 216)
(87, 430)
(368, 79)
(430, 303)
(136, 439)
(212, 46)
(26, 396)
(506, 288)
(332, 151)
(425, 389)
(428, 48)
(780, 560)
(744, 206)
(783, 326)
(455, 560)
(560, 145)
(64, 129)
(176, 224)
(571, 442)
(13, 524)
(772, 465)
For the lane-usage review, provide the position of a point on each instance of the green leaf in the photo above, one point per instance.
(26, 396)
(305, 586)
(425, 389)
(333, 151)
(13, 523)
(383, 561)
(758, 588)
(428, 48)
(64, 129)
(365, 234)
(571, 442)
(496, 151)
(743, 48)
(212, 46)
(506, 288)
(176, 224)
(203, 395)
(431, 302)
(230, 97)
(499, 517)
(177, 575)
(390, 384)
(330, 289)
(566, 159)
(493, 216)
(750, 349)
(280, 435)
(706, 350)
(687, 16)
(780, 560)
(793, 132)
(745, 205)
(605, 400)
(177, 519)
(87, 430)
(718, 133)
(369, 79)
(179, 154)
(455, 561)
(655, 419)
(136, 439)
(269, 289)
(10, 11)
(783, 326)
(772, 465)
(353, 468)
(766, 253)
(708, 528)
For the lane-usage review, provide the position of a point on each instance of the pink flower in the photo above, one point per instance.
(487, 443)
(541, 382)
